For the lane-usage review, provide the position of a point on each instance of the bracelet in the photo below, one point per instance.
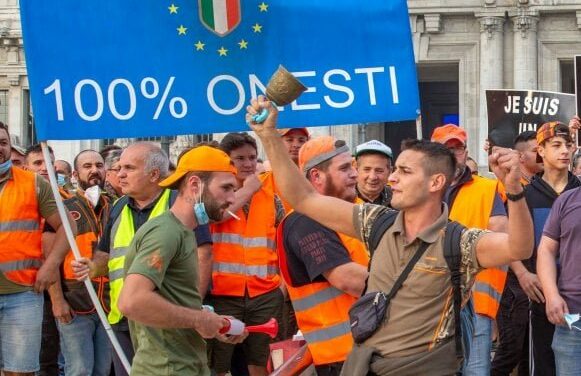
(515, 197)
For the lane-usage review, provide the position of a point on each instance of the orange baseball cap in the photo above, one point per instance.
(552, 129)
(449, 132)
(319, 150)
(284, 131)
(202, 158)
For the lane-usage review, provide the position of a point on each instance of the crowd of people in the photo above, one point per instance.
(466, 265)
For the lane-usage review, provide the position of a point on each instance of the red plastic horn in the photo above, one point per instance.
(270, 327)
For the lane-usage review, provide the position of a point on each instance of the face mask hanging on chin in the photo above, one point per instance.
(4, 167)
(200, 210)
(201, 215)
(92, 194)
(61, 180)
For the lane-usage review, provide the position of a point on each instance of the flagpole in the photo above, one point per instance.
(419, 134)
(71, 239)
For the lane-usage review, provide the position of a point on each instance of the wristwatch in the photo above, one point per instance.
(515, 197)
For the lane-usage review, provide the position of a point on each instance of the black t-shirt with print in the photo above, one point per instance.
(311, 249)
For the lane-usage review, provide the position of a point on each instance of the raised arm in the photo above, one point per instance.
(331, 212)
(495, 248)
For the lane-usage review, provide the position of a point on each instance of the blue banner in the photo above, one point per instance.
(136, 68)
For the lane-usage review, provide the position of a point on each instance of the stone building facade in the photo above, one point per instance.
(462, 47)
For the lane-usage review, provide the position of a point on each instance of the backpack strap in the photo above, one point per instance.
(453, 257)
(381, 225)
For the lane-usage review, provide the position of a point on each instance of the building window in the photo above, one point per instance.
(4, 106)
(195, 139)
(28, 120)
(567, 76)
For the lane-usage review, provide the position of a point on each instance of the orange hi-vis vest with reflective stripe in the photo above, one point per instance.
(89, 229)
(245, 258)
(322, 310)
(472, 208)
(268, 178)
(20, 229)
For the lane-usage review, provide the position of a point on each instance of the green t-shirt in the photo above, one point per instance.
(164, 251)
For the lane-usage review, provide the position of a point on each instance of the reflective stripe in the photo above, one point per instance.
(118, 252)
(328, 333)
(10, 266)
(244, 242)
(317, 298)
(116, 274)
(485, 288)
(261, 271)
(22, 225)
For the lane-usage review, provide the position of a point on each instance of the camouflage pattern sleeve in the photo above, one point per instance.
(364, 217)
(469, 266)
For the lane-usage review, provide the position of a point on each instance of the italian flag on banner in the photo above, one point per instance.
(220, 16)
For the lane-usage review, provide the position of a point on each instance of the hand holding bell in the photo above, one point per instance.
(282, 89)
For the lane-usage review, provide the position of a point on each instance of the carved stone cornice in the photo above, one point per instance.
(525, 22)
(14, 79)
(491, 25)
(433, 22)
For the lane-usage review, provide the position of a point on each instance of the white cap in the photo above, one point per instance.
(374, 146)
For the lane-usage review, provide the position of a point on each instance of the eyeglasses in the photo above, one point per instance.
(115, 170)
(457, 149)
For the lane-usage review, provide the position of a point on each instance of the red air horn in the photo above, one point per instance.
(236, 327)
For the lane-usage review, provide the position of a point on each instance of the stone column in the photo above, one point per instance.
(525, 50)
(491, 77)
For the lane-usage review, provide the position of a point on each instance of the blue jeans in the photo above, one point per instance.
(479, 360)
(567, 350)
(20, 331)
(85, 346)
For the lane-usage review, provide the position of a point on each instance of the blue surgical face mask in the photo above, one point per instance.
(4, 167)
(61, 180)
(200, 210)
(571, 319)
(201, 215)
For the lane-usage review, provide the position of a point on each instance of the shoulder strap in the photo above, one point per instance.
(403, 276)
(453, 257)
(118, 208)
(173, 194)
(381, 225)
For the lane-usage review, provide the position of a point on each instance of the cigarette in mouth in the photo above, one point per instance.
(233, 215)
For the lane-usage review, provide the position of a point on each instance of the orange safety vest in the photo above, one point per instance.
(245, 258)
(268, 178)
(472, 208)
(322, 311)
(20, 228)
(89, 229)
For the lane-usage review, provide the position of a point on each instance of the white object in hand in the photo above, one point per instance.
(236, 327)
